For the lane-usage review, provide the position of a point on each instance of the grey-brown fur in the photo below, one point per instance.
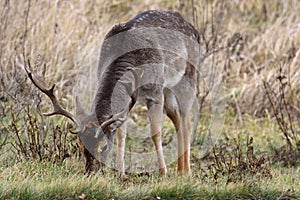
(166, 19)
(176, 101)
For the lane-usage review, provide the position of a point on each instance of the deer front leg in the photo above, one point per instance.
(155, 112)
(121, 136)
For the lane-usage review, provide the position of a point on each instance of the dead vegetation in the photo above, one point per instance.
(234, 160)
(26, 132)
(285, 107)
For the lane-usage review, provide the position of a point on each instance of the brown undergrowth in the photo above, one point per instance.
(235, 161)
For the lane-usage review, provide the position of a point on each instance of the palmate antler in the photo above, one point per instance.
(40, 83)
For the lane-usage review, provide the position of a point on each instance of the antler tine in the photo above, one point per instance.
(43, 87)
(117, 117)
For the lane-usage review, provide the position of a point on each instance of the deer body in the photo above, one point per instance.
(152, 80)
(151, 58)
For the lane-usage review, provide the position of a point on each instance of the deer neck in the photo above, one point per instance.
(108, 81)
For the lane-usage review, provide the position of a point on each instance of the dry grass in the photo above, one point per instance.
(270, 36)
(67, 36)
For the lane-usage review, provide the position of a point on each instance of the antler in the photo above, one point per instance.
(40, 83)
(131, 90)
(117, 117)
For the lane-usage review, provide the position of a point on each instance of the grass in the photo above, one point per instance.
(32, 180)
(44, 180)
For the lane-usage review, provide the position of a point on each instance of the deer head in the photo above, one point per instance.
(91, 135)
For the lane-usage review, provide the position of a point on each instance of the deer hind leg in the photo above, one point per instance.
(121, 135)
(155, 113)
(186, 142)
(185, 133)
(172, 110)
(183, 140)
(179, 112)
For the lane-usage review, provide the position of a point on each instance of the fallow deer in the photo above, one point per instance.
(151, 58)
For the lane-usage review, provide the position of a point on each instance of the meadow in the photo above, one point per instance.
(249, 101)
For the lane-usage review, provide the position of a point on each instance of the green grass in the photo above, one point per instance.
(42, 180)
(31, 179)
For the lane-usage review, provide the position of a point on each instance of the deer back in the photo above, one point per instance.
(160, 43)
